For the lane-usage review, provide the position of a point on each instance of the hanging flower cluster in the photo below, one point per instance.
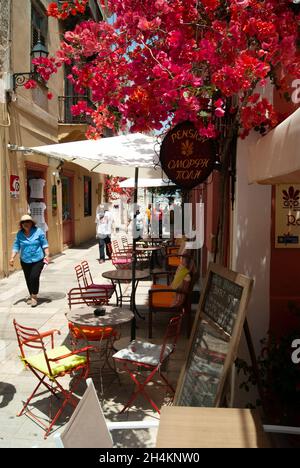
(168, 61)
(63, 10)
(113, 191)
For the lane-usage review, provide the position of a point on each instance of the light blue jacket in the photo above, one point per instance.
(31, 248)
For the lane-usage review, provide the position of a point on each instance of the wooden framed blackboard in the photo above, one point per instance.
(215, 337)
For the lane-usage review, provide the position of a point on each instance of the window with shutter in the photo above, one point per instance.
(39, 23)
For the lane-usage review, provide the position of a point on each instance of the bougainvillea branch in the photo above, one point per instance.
(113, 191)
(176, 60)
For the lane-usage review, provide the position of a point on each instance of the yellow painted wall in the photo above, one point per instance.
(34, 122)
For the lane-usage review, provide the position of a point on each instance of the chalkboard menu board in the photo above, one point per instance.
(215, 338)
(222, 300)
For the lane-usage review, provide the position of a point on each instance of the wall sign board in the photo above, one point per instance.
(14, 186)
(215, 338)
(287, 219)
(186, 157)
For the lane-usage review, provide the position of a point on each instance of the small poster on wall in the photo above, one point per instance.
(287, 219)
(14, 186)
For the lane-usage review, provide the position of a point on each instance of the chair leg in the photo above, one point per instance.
(150, 323)
(167, 382)
(188, 314)
(140, 390)
(68, 399)
(41, 382)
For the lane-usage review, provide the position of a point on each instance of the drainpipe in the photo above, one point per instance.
(5, 33)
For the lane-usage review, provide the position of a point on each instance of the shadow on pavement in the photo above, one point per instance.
(7, 393)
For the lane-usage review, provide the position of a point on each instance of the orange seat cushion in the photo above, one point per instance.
(164, 299)
(92, 333)
(174, 261)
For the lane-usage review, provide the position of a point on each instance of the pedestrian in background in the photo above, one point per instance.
(148, 219)
(103, 231)
(139, 224)
(33, 247)
(159, 218)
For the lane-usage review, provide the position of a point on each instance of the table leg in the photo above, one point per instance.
(133, 328)
(116, 292)
(152, 263)
(133, 303)
(121, 294)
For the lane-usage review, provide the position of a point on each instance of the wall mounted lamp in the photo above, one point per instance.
(19, 79)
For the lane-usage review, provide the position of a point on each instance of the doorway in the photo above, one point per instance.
(67, 183)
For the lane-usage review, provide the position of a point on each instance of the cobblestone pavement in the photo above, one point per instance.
(16, 383)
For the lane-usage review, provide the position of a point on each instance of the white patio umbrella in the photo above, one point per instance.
(116, 156)
(124, 155)
(146, 183)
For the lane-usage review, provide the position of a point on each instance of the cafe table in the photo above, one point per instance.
(210, 428)
(114, 317)
(117, 277)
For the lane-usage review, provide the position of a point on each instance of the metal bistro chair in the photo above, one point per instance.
(126, 246)
(121, 259)
(49, 365)
(145, 356)
(85, 279)
(103, 338)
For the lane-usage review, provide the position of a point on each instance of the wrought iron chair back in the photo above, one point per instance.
(49, 366)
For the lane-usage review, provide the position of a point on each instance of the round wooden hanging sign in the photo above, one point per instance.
(186, 158)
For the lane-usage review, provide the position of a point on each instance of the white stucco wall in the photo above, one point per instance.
(251, 241)
(251, 251)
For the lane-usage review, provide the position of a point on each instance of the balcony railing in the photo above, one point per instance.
(65, 104)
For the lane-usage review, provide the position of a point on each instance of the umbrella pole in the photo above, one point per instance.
(133, 286)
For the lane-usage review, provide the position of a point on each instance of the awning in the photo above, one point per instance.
(275, 159)
(145, 183)
(116, 156)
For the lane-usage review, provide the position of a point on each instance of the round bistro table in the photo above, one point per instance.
(114, 317)
(120, 276)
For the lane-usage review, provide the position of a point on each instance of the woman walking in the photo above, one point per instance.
(33, 247)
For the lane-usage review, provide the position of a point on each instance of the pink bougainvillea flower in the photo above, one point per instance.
(219, 112)
(163, 61)
(30, 84)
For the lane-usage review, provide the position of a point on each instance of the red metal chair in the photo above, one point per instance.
(126, 246)
(144, 356)
(121, 259)
(91, 298)
(85, 279)
(103, 338)
(115, 246)
(49, 365)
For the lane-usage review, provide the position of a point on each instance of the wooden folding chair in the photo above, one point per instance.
(145, 356)
(88, 428)
(174, 296)
(49, 365)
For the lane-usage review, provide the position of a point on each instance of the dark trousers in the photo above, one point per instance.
(160, 228)
(104, 242)
(32, 273)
